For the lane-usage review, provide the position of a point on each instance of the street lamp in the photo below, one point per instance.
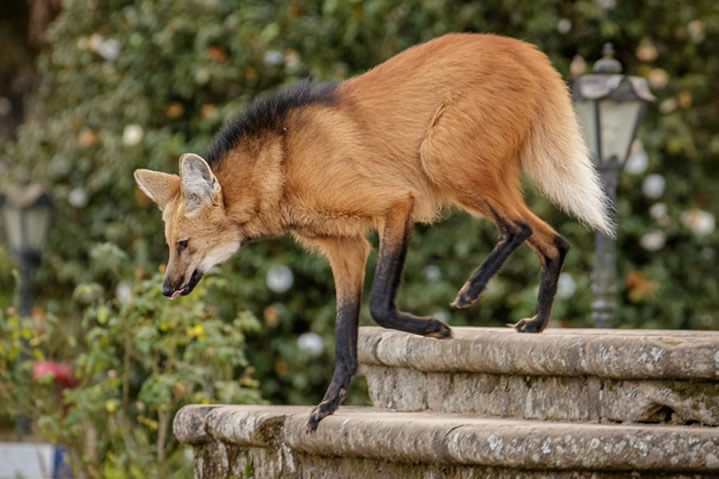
(609, 107)
(26, 218)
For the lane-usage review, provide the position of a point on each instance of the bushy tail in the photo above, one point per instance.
(557, 160)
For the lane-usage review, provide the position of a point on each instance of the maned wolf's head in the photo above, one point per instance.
(197, 229)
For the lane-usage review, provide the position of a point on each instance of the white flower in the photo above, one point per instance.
(658, 78)
(637, 163)
(132, 135)
(202, 76)
(274, 57)
(638, 159)
(696, 31)
(652, 241)
(109, 49)
(564, 25)
(566, 286)
(311, 343)
(78, 197)
(279, 278)
(95, 41)
(432, 272)
(653, 186)
(123, 292)
(658, 210)
(700, 222)
(668, 105)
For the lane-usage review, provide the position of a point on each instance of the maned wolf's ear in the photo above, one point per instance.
(159, 187)
(199, 185)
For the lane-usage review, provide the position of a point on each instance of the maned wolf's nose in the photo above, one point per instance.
(167, 290)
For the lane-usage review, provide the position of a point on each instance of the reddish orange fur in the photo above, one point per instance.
(444, 123)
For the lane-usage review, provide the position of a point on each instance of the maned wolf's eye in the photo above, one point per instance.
(181, 245)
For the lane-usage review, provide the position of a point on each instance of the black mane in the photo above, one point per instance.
(269, 113)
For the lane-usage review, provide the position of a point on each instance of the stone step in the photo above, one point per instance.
(272, 442)
(590, 375)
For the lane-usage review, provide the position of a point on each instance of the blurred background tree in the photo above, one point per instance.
(134, 83)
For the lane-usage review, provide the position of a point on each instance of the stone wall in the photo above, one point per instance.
(568, 375)
(489, 403)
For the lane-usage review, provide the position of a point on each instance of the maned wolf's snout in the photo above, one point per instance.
(169, 290)
(174, 289)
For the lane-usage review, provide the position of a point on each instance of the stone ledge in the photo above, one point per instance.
(247, 425)
(394, 437)
(564, 398)
(606, 353)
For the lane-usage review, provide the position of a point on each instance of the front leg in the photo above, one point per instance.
(392, 252)
(347, 257)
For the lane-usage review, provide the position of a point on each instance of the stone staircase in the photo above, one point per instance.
(490, 403)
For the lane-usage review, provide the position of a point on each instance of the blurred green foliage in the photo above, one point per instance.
(135, 83)
(136, 361)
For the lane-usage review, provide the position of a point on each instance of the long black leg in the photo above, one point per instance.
(511, 236)
(347, 258)
(345, 361)
(392, 252)
(552, 267)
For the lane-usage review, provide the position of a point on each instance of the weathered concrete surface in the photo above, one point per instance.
(565, 398)
(228, 438)
(605, 353)
(271, 441)
(568, 375)
(322, 467)
(189, 424)
(578, 388)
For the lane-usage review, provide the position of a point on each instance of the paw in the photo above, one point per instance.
(529, 325)
(325, 408)
(321, 411)
(439, 330)
(464, 298)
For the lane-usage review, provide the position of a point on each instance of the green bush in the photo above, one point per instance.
(136, 361)
(135, 83)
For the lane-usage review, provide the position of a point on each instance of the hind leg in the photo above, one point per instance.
(513, 232)
(551, 248)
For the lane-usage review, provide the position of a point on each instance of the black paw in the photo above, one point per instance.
(529, 325)
(325, 408)
(438, 329)
(321, 411)
(464, 298)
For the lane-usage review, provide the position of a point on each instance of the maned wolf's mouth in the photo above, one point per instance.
(187, 289)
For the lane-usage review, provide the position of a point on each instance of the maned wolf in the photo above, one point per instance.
(446, 123)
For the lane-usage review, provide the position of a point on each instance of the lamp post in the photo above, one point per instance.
(26, 216)
(609, 107)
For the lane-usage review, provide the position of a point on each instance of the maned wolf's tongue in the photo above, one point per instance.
(176, 294)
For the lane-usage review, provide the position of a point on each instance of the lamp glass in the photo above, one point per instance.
(37, 221)
(586, 114)
(616, 125)
(12, 222)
